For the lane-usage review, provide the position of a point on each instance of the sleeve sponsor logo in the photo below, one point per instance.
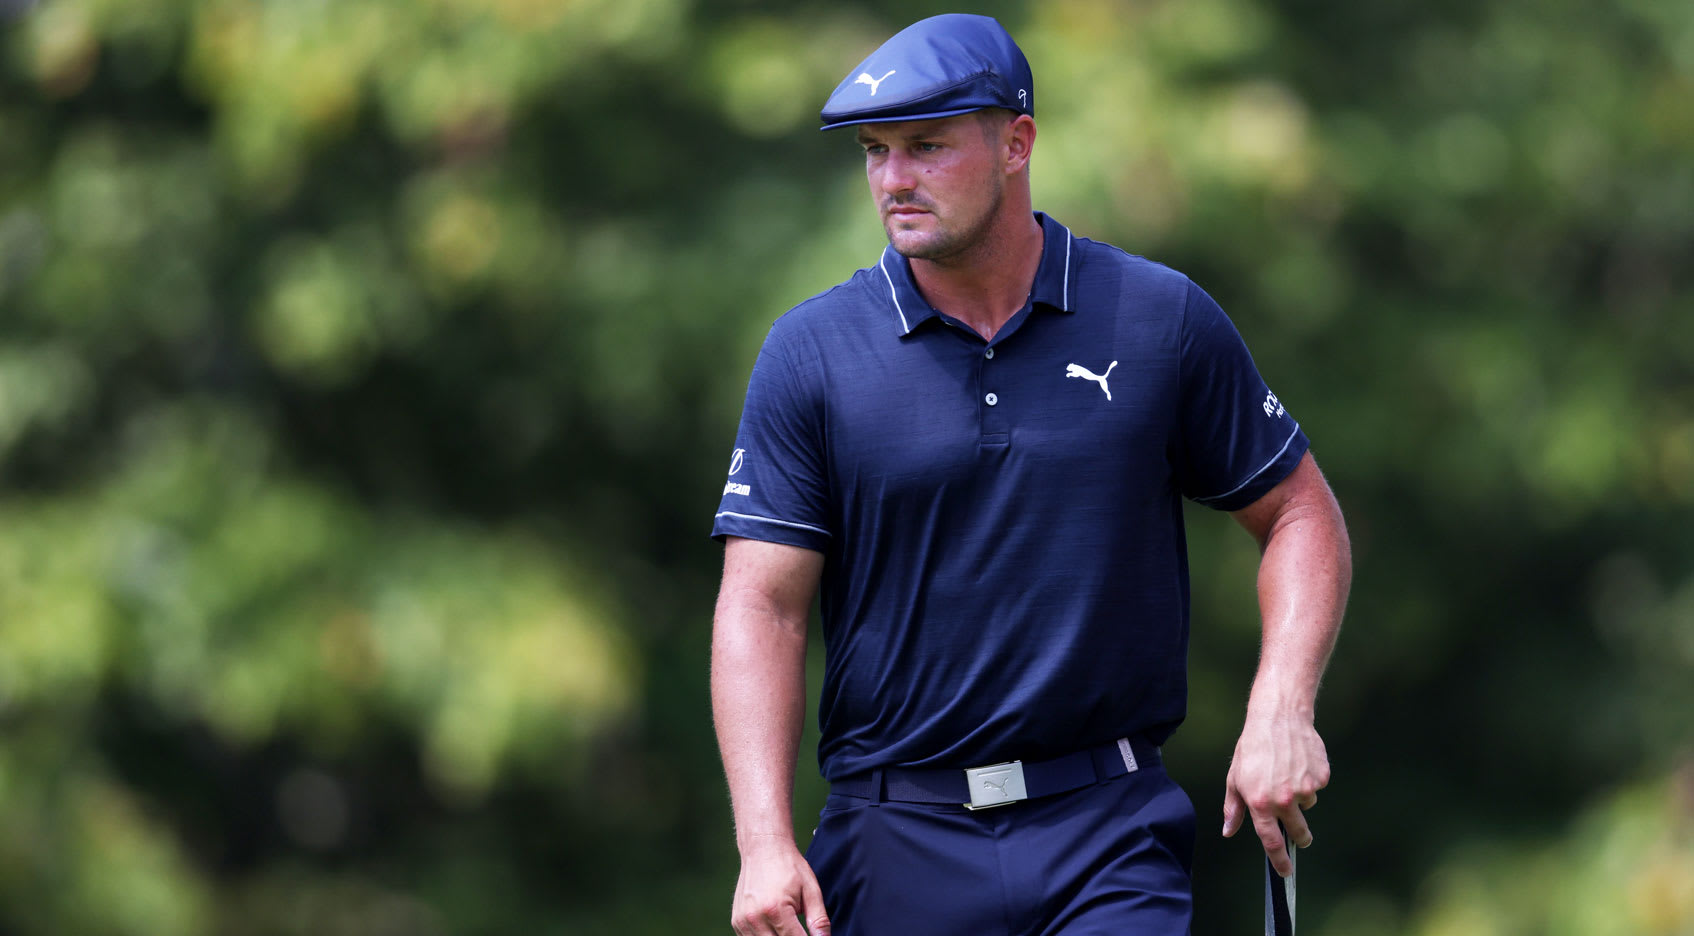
(735, 463)
(1273, 407)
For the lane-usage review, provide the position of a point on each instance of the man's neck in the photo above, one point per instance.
(985, 287)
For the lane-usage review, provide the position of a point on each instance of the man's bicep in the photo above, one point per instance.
(1304, 489)
(778, 577)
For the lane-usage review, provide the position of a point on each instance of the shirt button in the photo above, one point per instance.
(989, 354)
(991, 399)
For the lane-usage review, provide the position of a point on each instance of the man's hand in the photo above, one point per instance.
(1279, 766)
(777, 890)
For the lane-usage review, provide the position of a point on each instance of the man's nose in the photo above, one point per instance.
(898, 174)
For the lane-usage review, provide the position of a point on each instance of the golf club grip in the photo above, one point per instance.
(1279, 896)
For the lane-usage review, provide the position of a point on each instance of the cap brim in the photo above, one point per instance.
(904, 118)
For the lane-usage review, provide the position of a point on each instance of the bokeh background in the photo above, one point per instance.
(369, 370)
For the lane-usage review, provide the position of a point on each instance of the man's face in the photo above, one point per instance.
(937, 183)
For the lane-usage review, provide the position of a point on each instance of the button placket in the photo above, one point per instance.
(993, 425)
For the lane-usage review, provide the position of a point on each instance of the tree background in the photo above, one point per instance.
(368, 370)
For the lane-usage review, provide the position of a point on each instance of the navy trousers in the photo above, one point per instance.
(1111, 858)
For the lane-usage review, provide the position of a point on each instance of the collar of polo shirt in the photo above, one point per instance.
(1052, 286)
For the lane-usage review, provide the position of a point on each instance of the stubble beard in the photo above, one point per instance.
(950, 241)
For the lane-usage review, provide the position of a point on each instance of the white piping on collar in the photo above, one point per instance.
(893, 293)
(1067, 268)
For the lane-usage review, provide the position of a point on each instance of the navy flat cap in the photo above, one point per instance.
(945, 65)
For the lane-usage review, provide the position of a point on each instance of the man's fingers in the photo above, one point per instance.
(767, 917)
(1270, 835)
(1294, 821)
(817, 918)
(1234, 807)
(782, 921)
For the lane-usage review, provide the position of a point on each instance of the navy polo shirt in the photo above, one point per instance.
(1005, 574)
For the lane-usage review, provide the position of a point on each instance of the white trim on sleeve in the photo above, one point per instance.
(1262, 469)
(786, 523)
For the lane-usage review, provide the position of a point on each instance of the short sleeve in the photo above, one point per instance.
(1238, 441)
(777, 489)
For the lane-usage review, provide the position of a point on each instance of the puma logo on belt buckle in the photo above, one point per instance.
(995, 785)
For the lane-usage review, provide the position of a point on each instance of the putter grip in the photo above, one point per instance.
(1279, 897)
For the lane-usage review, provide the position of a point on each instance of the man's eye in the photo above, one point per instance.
(875, 149)
(928, 147)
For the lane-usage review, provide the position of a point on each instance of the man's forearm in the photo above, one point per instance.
(1304, 576)
(1280, 763)
(758, 701)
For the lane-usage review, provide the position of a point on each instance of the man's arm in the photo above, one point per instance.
(1304, 573)
(758, 702)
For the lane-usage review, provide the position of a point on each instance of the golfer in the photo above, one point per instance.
(975, 451)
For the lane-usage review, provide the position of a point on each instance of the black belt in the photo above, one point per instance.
(1041, 778)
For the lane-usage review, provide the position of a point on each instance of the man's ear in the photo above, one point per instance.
(1018, 140)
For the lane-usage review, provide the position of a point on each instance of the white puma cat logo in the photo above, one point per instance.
(1077, 370)
(873, 82)
(1001, 786)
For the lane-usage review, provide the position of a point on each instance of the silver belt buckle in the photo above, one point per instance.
(995, 785)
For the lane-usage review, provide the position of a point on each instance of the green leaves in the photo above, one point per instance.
(368, 369)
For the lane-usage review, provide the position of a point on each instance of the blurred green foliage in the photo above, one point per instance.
(367, 370)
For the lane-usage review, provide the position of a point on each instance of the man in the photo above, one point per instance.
(978, 447)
